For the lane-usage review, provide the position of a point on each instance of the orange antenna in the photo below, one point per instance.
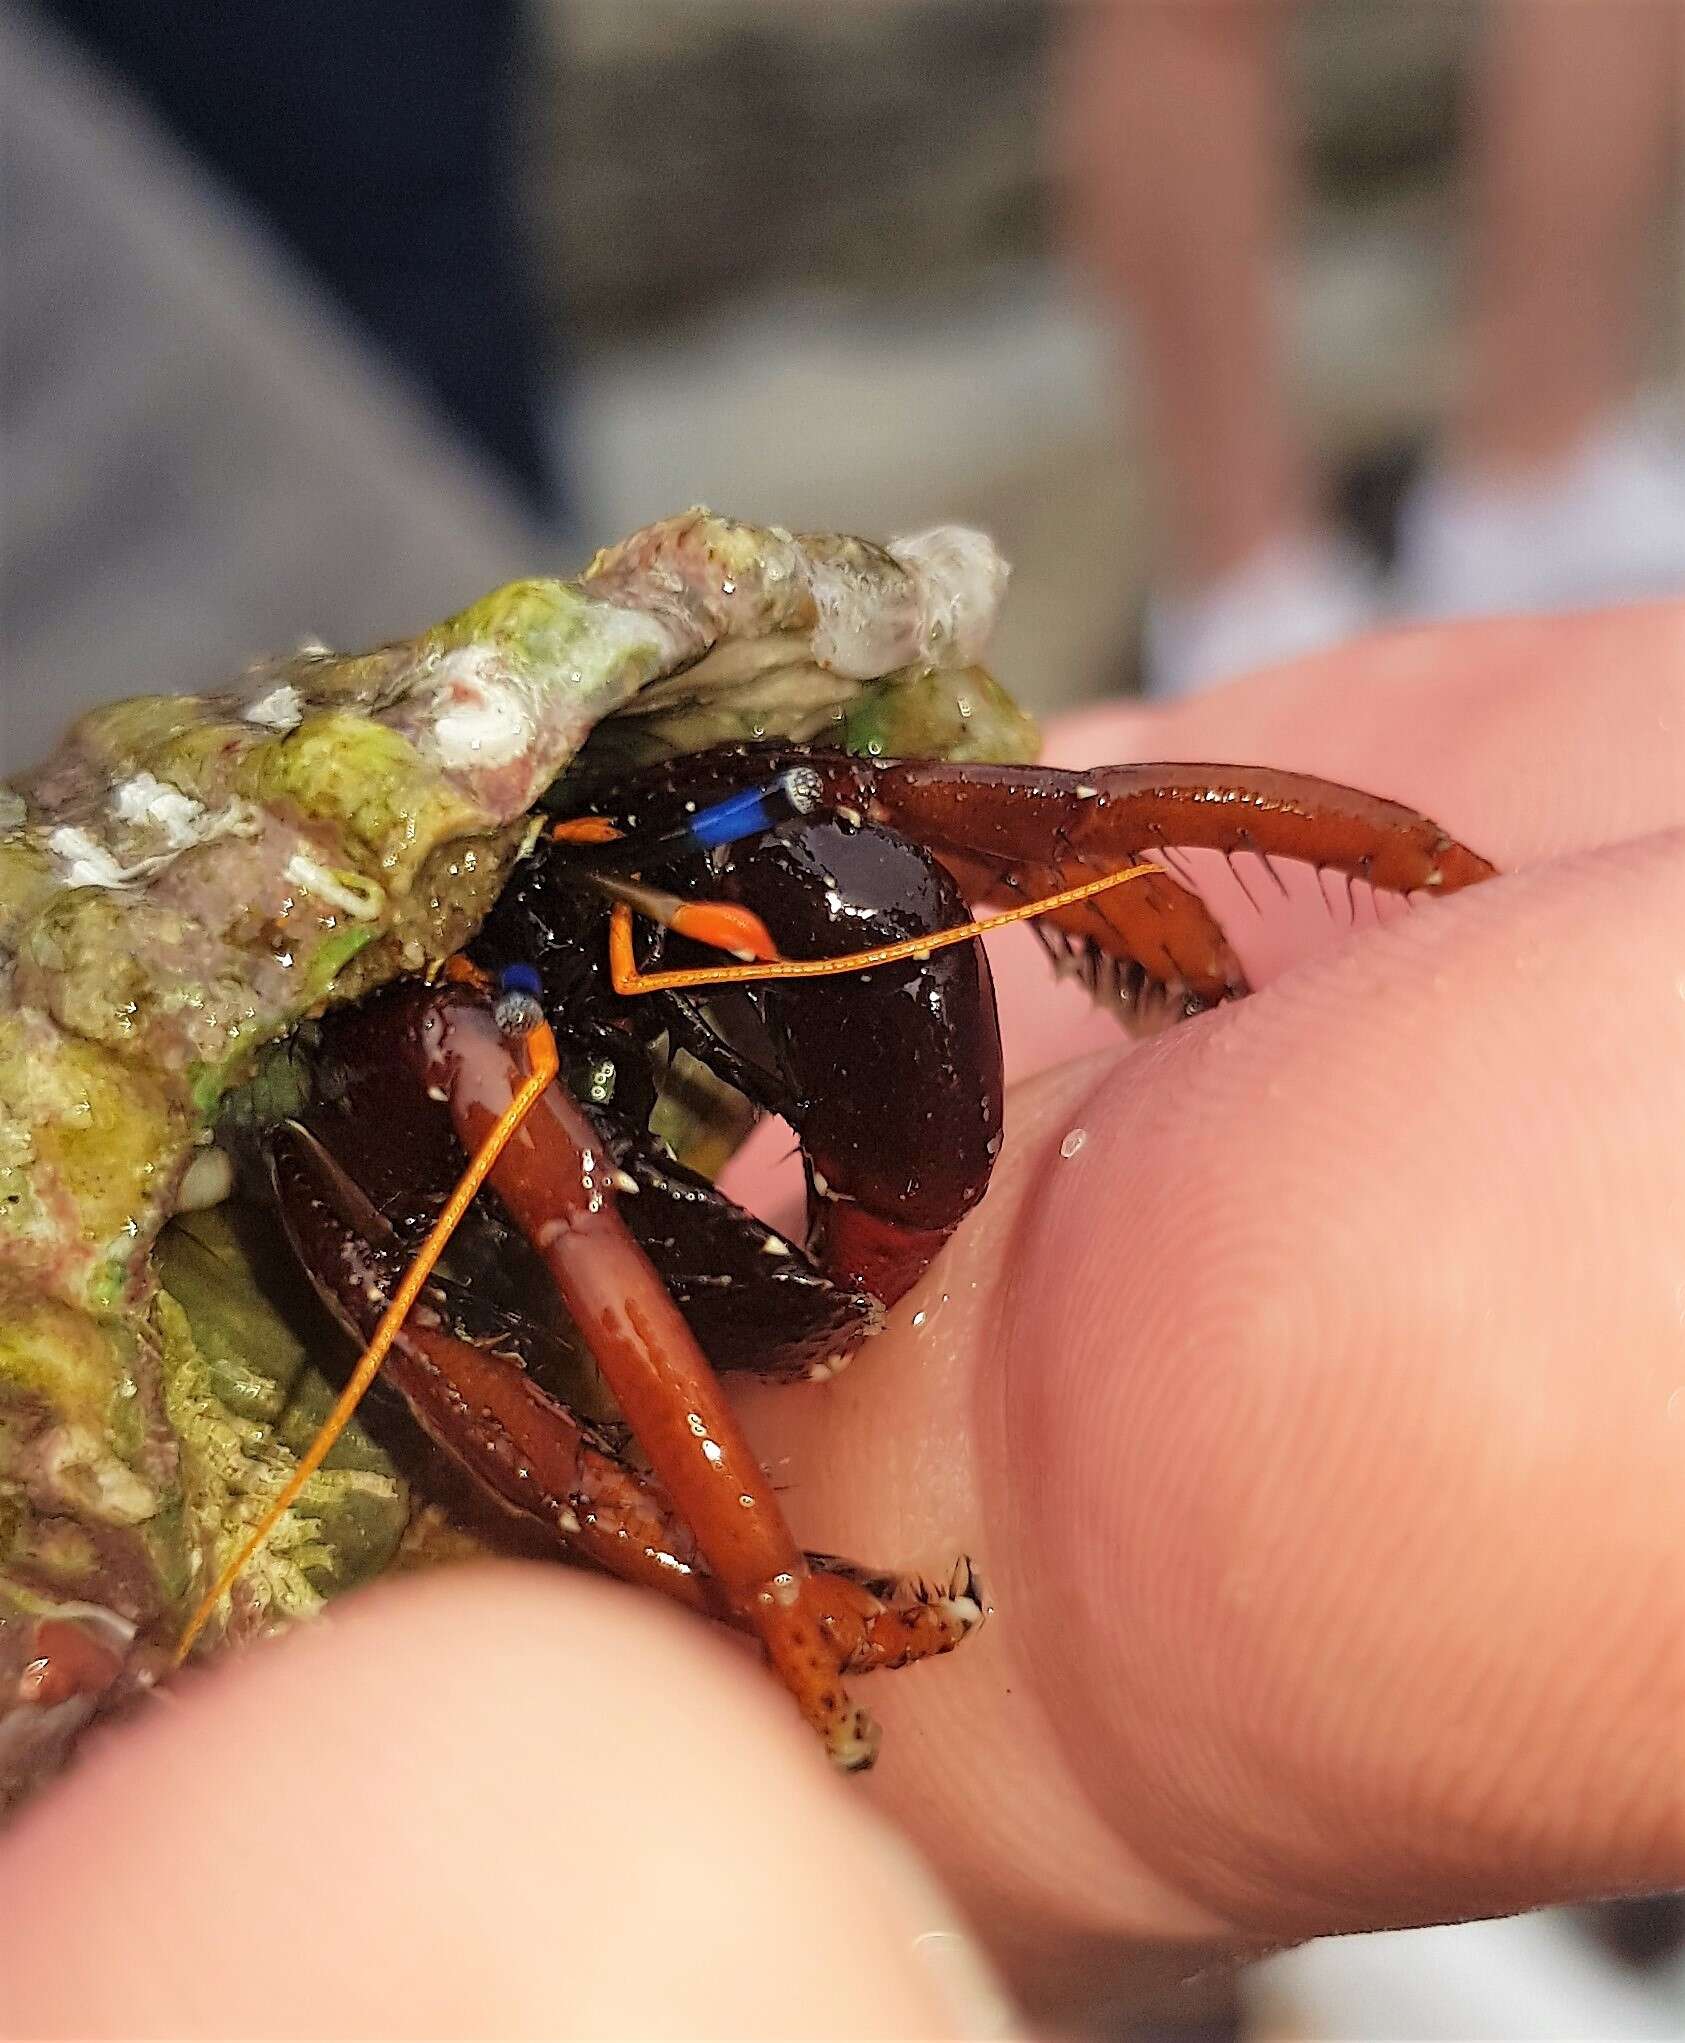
(729, 927)
(627, 979)
(540, 1047)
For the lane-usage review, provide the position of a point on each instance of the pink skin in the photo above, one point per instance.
(1320, 1424)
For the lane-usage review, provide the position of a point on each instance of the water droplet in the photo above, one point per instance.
(1073, 1142)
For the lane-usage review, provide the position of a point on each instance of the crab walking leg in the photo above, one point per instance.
(558, 1187)
(544, 1464)
(538, 1054)
(879, 1621)
(505, 1430)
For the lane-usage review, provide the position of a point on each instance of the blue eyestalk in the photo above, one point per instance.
(794, 793)
(797, 791)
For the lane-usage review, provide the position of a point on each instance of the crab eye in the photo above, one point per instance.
(517, 1007)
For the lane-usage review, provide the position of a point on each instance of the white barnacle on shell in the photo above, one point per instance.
(207, 1181)
(145, 799)
(961, 578)
(481, 715)
(280, 708)
(145, 802)
(73, 1470)
(85, 862)
(348, 892)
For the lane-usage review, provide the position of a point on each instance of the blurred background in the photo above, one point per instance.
(1240, 325)
(319, 320)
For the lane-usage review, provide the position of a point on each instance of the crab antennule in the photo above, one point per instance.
(721, 925)
(629, 980)
(539, 1046)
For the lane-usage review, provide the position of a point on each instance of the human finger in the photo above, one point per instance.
(502, 1802)
(1311, 1389)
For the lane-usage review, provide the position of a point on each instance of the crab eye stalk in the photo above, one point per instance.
(516, 1008)
(751, 811)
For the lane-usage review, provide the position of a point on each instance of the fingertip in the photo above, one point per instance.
(1354, 1478)
(498, 1801)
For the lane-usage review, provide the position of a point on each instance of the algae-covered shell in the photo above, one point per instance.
(189, 878)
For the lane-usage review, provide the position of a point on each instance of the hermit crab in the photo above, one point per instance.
(462, 965)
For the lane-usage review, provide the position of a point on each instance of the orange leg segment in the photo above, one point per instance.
(543, 1464)
(559, 1189)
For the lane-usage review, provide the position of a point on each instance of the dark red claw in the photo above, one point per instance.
(892, 1078)
(1012, 815)
(857, 1246)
